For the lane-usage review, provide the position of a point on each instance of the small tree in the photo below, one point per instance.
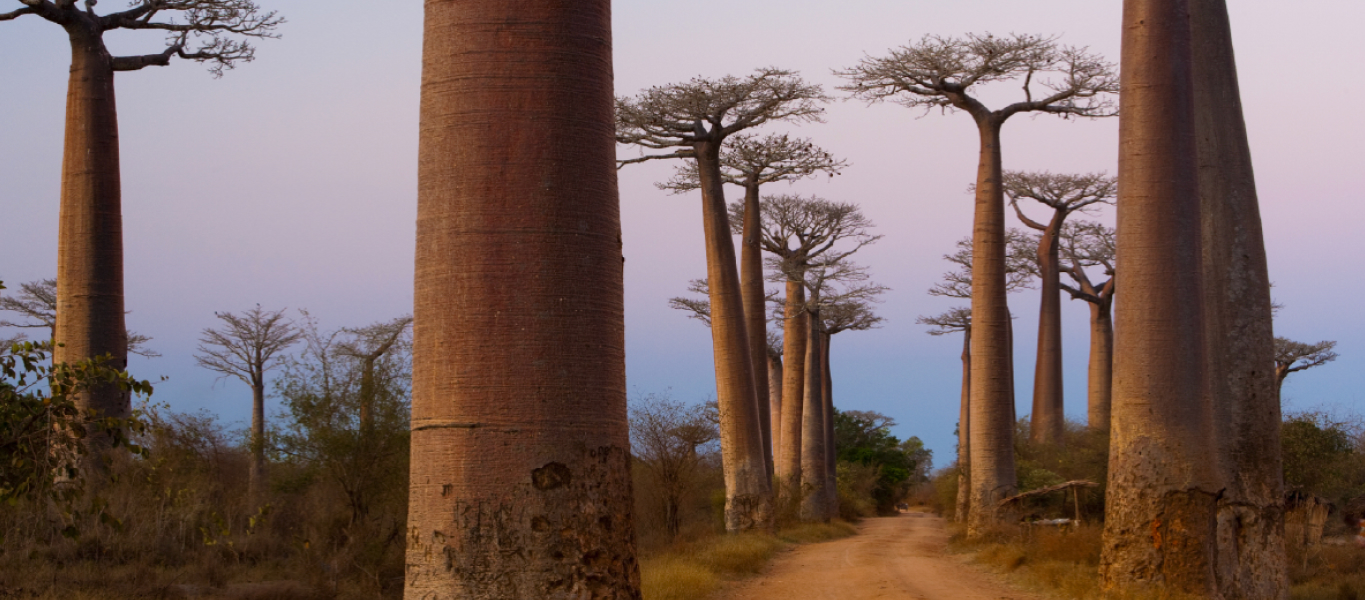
(695, 119)
(943, 72)
(670, 440)
(1065, 194)
(37, 302)
(1292, 356)
(246, 347)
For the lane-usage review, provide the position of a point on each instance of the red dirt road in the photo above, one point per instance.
(892, 558)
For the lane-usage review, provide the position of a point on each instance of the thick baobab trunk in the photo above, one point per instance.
(520, 467)
(795, 323)
(831, 453)
(814, 474)
(1161, 509)
(992, 425)
(90, 231)
(256, 481)
(1100, 383)
(775, 403)
(756, 315)
(748, 489)
(1049, 419)
(1238, 335)
(964, 470)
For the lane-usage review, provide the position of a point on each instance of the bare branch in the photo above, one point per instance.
(1292, 356)
(247, 345)
(952, 321)
(753, 160)
(1020, 266)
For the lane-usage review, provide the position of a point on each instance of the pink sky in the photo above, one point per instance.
(291, 181)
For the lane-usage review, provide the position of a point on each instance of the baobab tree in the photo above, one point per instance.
(1065, 194)
(520, 467)
(37, 302)
(1084, 245)
(1161, 509)
(695, 119)
(798, 231)
(942, 72)
(750, 162)
(848, 309)
(369, 345)
(246, 347)
(90, 227)
(956, 320)
(1238, 322)
(1292, 357)
(1019, 273)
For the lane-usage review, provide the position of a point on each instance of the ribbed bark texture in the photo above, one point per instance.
(90, 230)
(992, 405)
(520, 459)
(1100, 382)
(1049, 419)
(1237, 320)
(814, 474)
(748, 488)
(1162, 509)
(964, 429)
(756, 316)
(794, 326)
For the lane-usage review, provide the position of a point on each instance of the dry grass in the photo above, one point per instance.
(695, 570)
(1335, 572)
(1064, 563)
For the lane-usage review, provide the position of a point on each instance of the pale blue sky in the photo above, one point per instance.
(291, 181)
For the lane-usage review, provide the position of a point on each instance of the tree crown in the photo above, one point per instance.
(215, 32)
(680, 115)
(753, 160)
(939, 72)
(248, 344)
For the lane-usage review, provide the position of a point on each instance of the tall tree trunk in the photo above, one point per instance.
(1100, 383)
(1240, 343)
(992, 426)
(756, 315)
(794, 325)
(748, 489)
(520, 467)
(964, 470)
(814, 480)
(1161, 510)
(256, 482)
(1009, 351)
(775, 403)
(90, 231)
(831, 453)
(1049, 419)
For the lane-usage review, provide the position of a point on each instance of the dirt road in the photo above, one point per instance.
(892, 558)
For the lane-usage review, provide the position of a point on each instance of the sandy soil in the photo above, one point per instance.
(892, 558)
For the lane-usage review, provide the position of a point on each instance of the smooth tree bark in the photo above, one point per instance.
(1065, 194)
(1085, 245)
(1237, 320)
(814, 446)
(799, 231)
(520, 470)
(750, 162)
(775, 375)
(89, 293)
(695, 119)
(246, 346)
(1161, 508)
(939, 72)
(1292, 357)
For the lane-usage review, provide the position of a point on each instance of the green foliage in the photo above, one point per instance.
(864, 437)
(44, 435)
(1082, 455)
(1321, 455)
